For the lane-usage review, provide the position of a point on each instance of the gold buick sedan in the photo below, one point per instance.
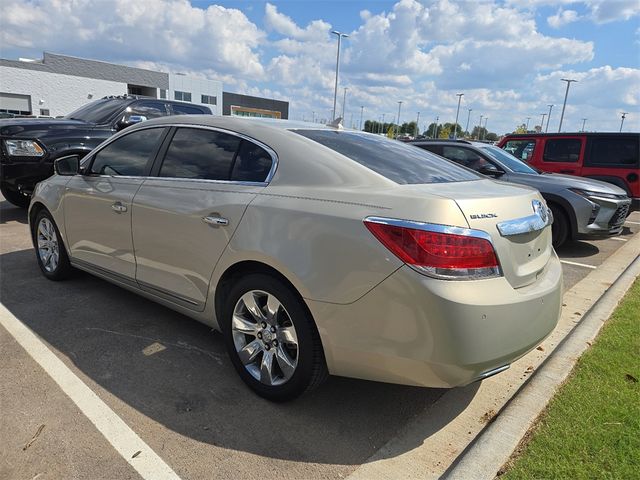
(314, 250)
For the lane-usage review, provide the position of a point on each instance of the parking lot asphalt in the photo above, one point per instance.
(169, 379)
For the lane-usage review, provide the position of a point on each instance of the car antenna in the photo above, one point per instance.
(337, 123)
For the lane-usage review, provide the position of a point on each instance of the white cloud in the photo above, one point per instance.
(562, 17)
(171, 31)
(422, 53)
(284, 25)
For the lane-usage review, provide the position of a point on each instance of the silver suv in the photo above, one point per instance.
(582, 207)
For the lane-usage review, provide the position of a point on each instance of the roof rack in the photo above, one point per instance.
(128, 96)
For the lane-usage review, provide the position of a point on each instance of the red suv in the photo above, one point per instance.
(610, 157)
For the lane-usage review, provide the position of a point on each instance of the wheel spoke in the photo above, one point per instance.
(288, 335)
(249, 300)
(273, 306)
(54, 260)
(266, 367)
(287, 365)
(250, 351)
(243, 325)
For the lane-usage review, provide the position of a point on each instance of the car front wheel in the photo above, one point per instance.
(50, 252)
(271, 338)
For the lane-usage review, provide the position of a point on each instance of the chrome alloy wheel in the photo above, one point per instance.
(265, 338)
(48, 245)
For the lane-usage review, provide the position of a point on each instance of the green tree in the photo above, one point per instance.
(521, 129)
(492, 137)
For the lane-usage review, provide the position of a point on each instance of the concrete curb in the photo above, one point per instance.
(459, 449)
(493, 448)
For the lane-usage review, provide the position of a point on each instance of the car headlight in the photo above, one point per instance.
(23, 148)
(589, 193)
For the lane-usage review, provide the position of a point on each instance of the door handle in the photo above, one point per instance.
(215, 221)
(119, 207)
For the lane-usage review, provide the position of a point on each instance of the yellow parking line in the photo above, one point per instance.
(620, 239)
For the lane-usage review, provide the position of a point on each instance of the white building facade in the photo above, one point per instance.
(59, 84)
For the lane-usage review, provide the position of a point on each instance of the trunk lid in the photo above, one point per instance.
(486, 204)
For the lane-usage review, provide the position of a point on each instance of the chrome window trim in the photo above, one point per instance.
(449, 274)
(207, 180)
(528, 224)
(268, 149)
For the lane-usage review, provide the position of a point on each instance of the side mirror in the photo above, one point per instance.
(490, 170)
(129, 120)
(67, 166)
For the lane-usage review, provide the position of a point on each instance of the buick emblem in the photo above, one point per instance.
(540, 210)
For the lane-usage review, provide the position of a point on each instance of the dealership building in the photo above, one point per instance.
(58, 84)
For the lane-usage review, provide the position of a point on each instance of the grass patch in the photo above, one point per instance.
(591, 428)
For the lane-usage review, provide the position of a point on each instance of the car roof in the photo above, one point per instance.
(568, 134)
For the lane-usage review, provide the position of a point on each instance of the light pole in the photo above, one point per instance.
(455, 125)
(399, 107)
(527, 127)
(584, 120)
(542, 122)
(548, 118)
(382, 128)
(335, 90)
(466, 129)
(480, 126)
(314, 116)
(486, 119)
(566, 94)
(344, 101)
(417, 125)
(624, 115)
(361, 113)
(436, 134)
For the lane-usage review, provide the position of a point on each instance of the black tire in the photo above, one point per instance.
(62, 269)
(16, 198)
(560, 227)
(311, 369)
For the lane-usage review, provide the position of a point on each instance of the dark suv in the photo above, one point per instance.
(28, 146)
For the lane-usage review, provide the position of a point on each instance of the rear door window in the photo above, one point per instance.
(397, 161)
(200, 154)
(521, 149)
(464, 156)
(252, 164)
(562, 150)
(179, 109)
(614, 152)
(148, 109)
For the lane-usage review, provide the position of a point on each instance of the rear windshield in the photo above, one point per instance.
(397, 161)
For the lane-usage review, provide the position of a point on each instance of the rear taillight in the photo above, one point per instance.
(437, 250)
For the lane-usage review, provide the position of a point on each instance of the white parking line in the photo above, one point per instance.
(126, 442)
(578, 264)
(632, 223)
(620, 239)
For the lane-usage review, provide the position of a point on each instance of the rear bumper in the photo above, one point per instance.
(416, 330)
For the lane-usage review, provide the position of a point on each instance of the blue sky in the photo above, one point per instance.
(506, 56)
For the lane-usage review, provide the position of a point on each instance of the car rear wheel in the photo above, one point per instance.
(559, 228)
(50, 251)
(15, 197)
(271, 338)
